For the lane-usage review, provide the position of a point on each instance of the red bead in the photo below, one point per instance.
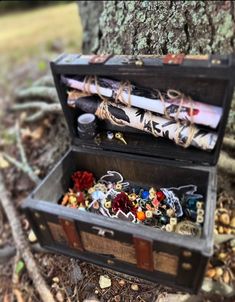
(160, 195)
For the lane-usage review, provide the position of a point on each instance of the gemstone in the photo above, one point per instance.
(141, 215)
(160, 196)
(155, 202)
(145, 194)
(164, 219)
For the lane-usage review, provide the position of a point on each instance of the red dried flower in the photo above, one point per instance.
(122, 202)
(82, 180)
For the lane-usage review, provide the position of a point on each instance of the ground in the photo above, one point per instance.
(28, 41)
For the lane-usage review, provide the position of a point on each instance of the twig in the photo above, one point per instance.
(10, 251)
(25, 168)
(226, 163)
(23, 165)
(22, 245)
(20, 145)
(44, 81)
(15, 277)
(42, 108)
(35, 92)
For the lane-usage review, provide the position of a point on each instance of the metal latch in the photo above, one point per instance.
(102, 231)
(171, 59)
(99, 59)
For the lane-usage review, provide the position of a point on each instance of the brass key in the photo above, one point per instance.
(119, 136)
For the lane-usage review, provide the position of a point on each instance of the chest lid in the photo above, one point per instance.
(208, 80)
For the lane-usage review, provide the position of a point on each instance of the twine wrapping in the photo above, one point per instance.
(103, 113)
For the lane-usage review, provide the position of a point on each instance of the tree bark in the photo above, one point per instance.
(158, 27)
(90, 12)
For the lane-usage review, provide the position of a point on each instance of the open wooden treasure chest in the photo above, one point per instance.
(136, 192)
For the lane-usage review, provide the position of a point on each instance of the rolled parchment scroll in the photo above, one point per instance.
(169, 104)
(182, 134)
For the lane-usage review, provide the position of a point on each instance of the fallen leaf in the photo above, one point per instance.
(3, 162)
(36, 134)
(76, 274)
(20, 266)
(104, 281)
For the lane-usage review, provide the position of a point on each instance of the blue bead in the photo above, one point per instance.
(145, 194)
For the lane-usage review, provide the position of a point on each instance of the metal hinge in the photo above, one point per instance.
(172, 59)
(99, 59)
(102, 232)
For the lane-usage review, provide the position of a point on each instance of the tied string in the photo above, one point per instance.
(176, 95)
(119, 98)
(103, 112)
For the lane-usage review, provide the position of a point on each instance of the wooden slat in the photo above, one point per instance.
(71, 232)
(144, 253)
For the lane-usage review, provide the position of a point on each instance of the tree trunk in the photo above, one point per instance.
(90, 12)
(158, 27)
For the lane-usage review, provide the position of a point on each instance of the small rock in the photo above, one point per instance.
(122, 282)
(222, 256)
(135, 287)
(32, 237)
(104, 281)
(232, 223)
(117, 298)
(60, 296)
(224, 218)
(56, 280)
(226, 277)
(211, 273)
(218, 272)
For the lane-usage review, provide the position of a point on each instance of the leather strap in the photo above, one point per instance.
(72, 234)
(144, 253)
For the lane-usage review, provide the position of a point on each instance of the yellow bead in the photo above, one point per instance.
(169, 228)
(108, 204)
(173, 221)
(149, 214)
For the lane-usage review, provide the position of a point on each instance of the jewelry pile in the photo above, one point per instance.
(178, 210)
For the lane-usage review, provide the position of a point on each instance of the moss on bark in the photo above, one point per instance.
(160, 27)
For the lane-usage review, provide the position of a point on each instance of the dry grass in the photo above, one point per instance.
(24, 34)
